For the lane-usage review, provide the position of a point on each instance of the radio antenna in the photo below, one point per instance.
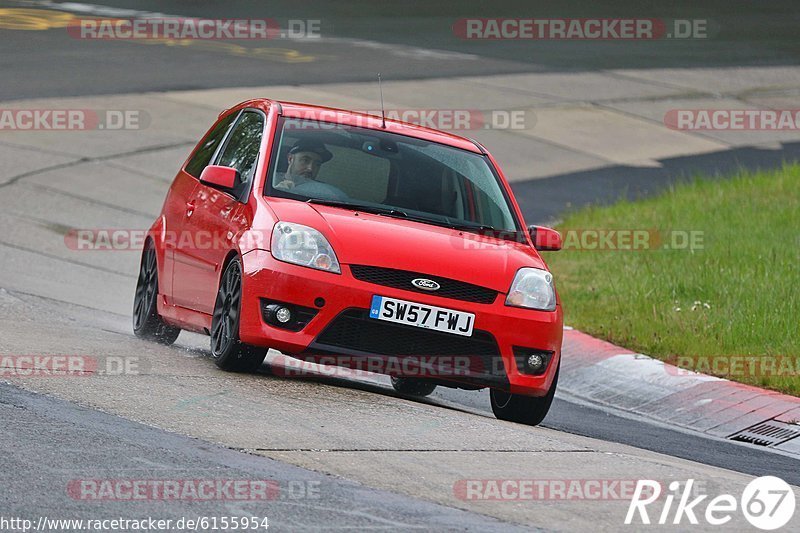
(380, 88)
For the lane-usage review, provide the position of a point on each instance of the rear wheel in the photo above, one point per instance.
(413, 387)
(228, 351)
(528, 410)
(147, 323)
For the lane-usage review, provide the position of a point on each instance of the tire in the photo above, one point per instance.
(228, 351)
(413, 387)
(522, 409)
(147, 323)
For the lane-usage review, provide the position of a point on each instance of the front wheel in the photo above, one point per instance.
(147, 323)
(228, 351)
(529, 410)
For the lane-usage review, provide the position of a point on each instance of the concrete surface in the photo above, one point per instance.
(60, 301)
(365, 434)
(603, 374)
(105, 447)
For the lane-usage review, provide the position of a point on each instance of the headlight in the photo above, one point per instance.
(301, 245)
(532, 288)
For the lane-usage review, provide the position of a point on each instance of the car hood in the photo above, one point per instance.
(368, 239)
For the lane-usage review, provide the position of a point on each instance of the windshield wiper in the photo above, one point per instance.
(397, 213)
(472, 227)
(378, 210)
(359, 207)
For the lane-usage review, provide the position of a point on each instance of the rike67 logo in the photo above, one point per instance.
(767, 503)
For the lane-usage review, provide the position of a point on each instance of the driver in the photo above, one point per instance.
(305, 159)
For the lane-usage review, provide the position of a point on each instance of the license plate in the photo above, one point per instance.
(422, 316)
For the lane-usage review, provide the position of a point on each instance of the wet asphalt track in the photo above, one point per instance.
(45, 65)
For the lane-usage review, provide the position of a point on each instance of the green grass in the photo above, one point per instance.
(747, 272)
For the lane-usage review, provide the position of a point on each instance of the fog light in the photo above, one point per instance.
(286, 316)
(535, 362)
(283, 315)
(532, 361)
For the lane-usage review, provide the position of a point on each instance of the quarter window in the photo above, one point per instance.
(241, 150)
(208, 146)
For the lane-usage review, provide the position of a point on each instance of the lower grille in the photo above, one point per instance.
(354, 332)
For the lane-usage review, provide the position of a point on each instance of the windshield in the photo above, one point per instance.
(390, 173)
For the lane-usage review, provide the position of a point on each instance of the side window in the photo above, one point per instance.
(241, 150)
(208, 146)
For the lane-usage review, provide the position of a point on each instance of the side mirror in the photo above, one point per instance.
(545, 239)
(220, 177)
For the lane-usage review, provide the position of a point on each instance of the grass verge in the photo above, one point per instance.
(714, 285)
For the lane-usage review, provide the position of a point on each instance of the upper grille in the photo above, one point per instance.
(401, 279)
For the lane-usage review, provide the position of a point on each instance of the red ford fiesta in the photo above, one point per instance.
(339, 237)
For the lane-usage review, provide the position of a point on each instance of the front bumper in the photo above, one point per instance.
(344, 297)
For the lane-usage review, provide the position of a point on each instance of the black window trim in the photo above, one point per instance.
(245, 194)
(224, 137)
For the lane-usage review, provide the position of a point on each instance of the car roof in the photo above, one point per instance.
(364, 120)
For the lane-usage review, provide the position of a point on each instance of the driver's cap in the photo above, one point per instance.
(313, 146)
